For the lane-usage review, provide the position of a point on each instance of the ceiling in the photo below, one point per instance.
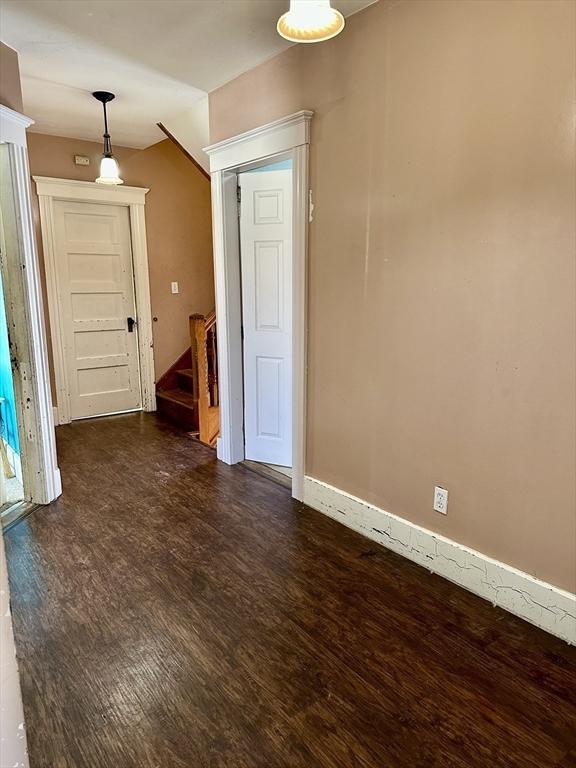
(159, 57)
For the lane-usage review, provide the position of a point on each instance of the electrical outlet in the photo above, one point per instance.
(174, 287)
(81, 160)
(440, 500)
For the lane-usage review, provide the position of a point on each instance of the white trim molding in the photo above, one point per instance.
(542, 604)
(134, 198)
(89, 191)
(287, 138)
(271, 139)
(25, 316)
(13, 126)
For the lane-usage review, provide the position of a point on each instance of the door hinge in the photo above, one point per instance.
(239, 198)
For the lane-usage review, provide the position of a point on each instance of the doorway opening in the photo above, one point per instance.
(94, 243)
(29, 474)
(11, 481)
(283, 140)
(265, 233)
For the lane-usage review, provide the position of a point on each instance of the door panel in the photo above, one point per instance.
(269, 395)
(266, 262)
(96, 289)
(268, 291)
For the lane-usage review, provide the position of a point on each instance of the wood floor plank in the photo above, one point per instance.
(172, 611)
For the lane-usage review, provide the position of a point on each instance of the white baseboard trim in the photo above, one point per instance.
(57, 483)
(57, 478)
(542, 604)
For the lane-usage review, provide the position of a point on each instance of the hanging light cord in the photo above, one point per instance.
(107, 142)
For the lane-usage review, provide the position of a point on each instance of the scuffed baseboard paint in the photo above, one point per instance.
(542, 604)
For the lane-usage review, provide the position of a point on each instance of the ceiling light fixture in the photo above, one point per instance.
(310, 21)
(109, 171)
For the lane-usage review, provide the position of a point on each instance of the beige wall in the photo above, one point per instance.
(54, 156)
(178, 227)
(441, 299)
(10, 88)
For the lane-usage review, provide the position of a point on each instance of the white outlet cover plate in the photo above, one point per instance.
(440, 500)
(174, 287)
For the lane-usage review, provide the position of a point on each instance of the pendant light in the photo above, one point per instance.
(109, 171)
(310, 21)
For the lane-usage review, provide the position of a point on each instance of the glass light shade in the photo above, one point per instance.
(109, 171)
(310, 21)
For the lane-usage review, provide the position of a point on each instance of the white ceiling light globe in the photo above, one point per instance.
(310, 21)
(109, 172)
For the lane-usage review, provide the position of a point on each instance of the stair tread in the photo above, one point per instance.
(179, 396)
(186, 372)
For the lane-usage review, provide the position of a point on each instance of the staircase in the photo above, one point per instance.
(188, 397)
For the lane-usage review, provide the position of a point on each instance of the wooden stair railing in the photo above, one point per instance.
(205, 375)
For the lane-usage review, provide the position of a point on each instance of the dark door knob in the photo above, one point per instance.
(131, 323)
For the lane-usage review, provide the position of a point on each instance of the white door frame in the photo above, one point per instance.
(288, 137)
(25, 316)
(134, 198)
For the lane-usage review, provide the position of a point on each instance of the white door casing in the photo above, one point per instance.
(266, 269)
(25, 316)
(285, 139)
(50, 191)
(96, 290)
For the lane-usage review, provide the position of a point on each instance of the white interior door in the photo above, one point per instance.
(96, 292)
(266, 261)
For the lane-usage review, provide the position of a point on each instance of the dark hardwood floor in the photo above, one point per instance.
(173, 612)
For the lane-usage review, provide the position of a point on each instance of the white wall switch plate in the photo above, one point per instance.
(174, 287)
(440, 500)
(81, 160)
